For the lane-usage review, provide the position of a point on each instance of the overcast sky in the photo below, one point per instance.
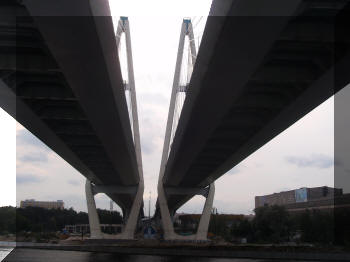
(302, 156)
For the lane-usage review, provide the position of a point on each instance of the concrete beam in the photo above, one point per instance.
(95, 47)
(131, 190)
(24, 115)
(213, 68)
(262, 90)
(186, 191)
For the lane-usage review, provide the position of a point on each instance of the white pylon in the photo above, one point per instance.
(166, 215)
(131, 216)
(131, 223)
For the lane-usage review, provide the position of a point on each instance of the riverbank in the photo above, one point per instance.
(7, 238)
(155, 248)
(7, 244)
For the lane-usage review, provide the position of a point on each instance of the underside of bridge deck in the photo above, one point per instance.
(58, 82)
(255, 75)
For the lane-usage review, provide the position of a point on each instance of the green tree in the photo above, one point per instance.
(7, 220)
(271, 224)
(36, 219)
(241, 227)
(316, 226)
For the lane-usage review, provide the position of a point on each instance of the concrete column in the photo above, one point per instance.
(132, 215)
(167, 224)
(202, 231)
(94, 221)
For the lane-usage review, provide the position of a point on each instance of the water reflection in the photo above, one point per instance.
(35, 255)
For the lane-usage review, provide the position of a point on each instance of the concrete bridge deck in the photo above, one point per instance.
(260, 68)
(60, 78)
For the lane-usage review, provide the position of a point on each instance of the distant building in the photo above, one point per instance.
(59, 204)
(85, 228)
(302, 198)
(192, 220)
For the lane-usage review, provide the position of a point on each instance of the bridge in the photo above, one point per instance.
(261, 66)
(61, 79)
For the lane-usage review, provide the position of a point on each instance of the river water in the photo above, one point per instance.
(35, 255)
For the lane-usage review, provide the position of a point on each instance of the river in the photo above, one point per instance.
(35, 255)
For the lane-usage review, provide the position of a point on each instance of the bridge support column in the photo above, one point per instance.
(202, 231)
(133, 215)
(167, 223)
(94, 221)
(167, 215)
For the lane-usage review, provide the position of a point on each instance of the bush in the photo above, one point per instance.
(271, 224)
(36, 219)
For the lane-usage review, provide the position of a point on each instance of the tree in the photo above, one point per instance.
(7, 220)
(241, 227)
(271, 224)
(36, 219)
(316, 226)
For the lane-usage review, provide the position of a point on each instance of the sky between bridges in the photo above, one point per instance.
(302, 156)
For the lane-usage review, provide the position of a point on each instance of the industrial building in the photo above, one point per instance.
(85, 228)
(302, 198)
(59, 204)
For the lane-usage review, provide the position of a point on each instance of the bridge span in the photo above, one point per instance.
(261, 66)
(60, 78)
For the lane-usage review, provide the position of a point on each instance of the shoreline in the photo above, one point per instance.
(7, 244)
(183, 249)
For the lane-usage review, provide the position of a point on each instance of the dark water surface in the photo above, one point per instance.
(35, 255)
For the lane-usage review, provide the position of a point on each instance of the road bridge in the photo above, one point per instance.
(60, 78)
(261, 66)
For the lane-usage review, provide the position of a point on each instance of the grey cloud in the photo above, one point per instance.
(34, 157)
(236, 207)
(74, 182)
(75, 201)
(258, 164)
(319, 161)
(234, 171)
(147, 146)
(150, 132)
(25, 137)
(283, 189)
(28, 179)
(154, 98)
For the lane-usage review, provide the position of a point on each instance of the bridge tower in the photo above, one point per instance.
(130, 216)
(173, 118)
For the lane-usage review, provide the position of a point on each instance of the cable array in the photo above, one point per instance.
(184, 79)
(124, 70)
(198, 28)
